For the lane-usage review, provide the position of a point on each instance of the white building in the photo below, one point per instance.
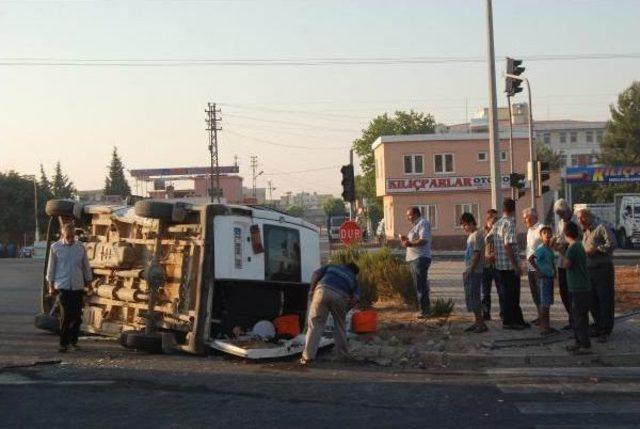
(578, 142)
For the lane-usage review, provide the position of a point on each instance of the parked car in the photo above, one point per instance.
(176, 275)
(26, 252)
(333, 227)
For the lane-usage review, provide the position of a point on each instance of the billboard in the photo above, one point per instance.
(591, 174)
(145, 174)
(440, 184)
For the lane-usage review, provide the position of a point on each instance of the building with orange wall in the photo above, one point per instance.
(445, 175)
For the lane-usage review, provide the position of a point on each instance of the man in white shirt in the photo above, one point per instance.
(68, 272)
(530, 217)
(418, 245)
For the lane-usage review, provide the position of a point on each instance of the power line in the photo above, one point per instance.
(305, 125)
(286, 145)
(303, 171)
(183, 62)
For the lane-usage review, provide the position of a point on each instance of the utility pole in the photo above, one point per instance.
(212, 126)
(494, 143)
(36, 236)
(254, 174)
(271, 189)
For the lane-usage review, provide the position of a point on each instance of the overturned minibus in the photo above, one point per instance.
(175, 275)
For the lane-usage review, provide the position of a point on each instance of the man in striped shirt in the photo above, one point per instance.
(508, 267)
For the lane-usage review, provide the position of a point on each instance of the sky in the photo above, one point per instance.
(280, 100)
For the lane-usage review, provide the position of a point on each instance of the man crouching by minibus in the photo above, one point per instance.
(334, 290)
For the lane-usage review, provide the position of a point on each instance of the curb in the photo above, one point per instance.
(386, 355)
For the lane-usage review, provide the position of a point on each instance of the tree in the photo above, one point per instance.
(44, 184)
(402, 123)
(62, 187)
(621, 146)
(547, 154)
(334, 207)
(294, 210)
(16, 216)
(115, 182)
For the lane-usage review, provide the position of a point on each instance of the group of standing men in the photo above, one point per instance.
(579, 253)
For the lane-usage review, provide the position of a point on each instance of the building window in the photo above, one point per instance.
(547, 138)
(599, 136)
(563, 137)
(413, 164)
(428, 211)
(589, 136)
(473, 208)
(573, 136)
(483, 156)
(503, 155)
(443, 163)
(574, 161)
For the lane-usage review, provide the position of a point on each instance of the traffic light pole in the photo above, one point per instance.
(532, 152)
(494, 144)
(351, 203)
(514, 191)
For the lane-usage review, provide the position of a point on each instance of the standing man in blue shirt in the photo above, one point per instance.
(418, 245)
(68, 273)
(333, 290)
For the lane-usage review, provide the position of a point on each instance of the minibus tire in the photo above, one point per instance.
(60, 208)
(154, 209)
(47, 322)
(144, 342)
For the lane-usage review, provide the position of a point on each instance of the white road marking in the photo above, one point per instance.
(621, 407)
(570, 388)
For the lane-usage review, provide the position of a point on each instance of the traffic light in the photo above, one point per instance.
(348, 183)
(516, 180)
(513, 84)
(542, 175)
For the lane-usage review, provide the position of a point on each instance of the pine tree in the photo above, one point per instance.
(62, 187)
(45, 184)
(115, 183)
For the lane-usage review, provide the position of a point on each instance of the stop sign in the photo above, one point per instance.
(350, 232)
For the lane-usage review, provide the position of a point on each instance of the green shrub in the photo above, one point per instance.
(441, 307)
(381, 275)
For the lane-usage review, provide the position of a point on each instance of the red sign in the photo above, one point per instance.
(350, 232)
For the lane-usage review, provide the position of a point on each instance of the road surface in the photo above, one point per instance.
(107, 386)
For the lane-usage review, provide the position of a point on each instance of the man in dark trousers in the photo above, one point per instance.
(334, 290)
(68, 273)
(507, 265)
(599, 245)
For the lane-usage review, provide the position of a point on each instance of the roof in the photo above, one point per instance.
(444, 137)
(567, 125)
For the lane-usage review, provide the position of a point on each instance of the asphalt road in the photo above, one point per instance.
(108, 386)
